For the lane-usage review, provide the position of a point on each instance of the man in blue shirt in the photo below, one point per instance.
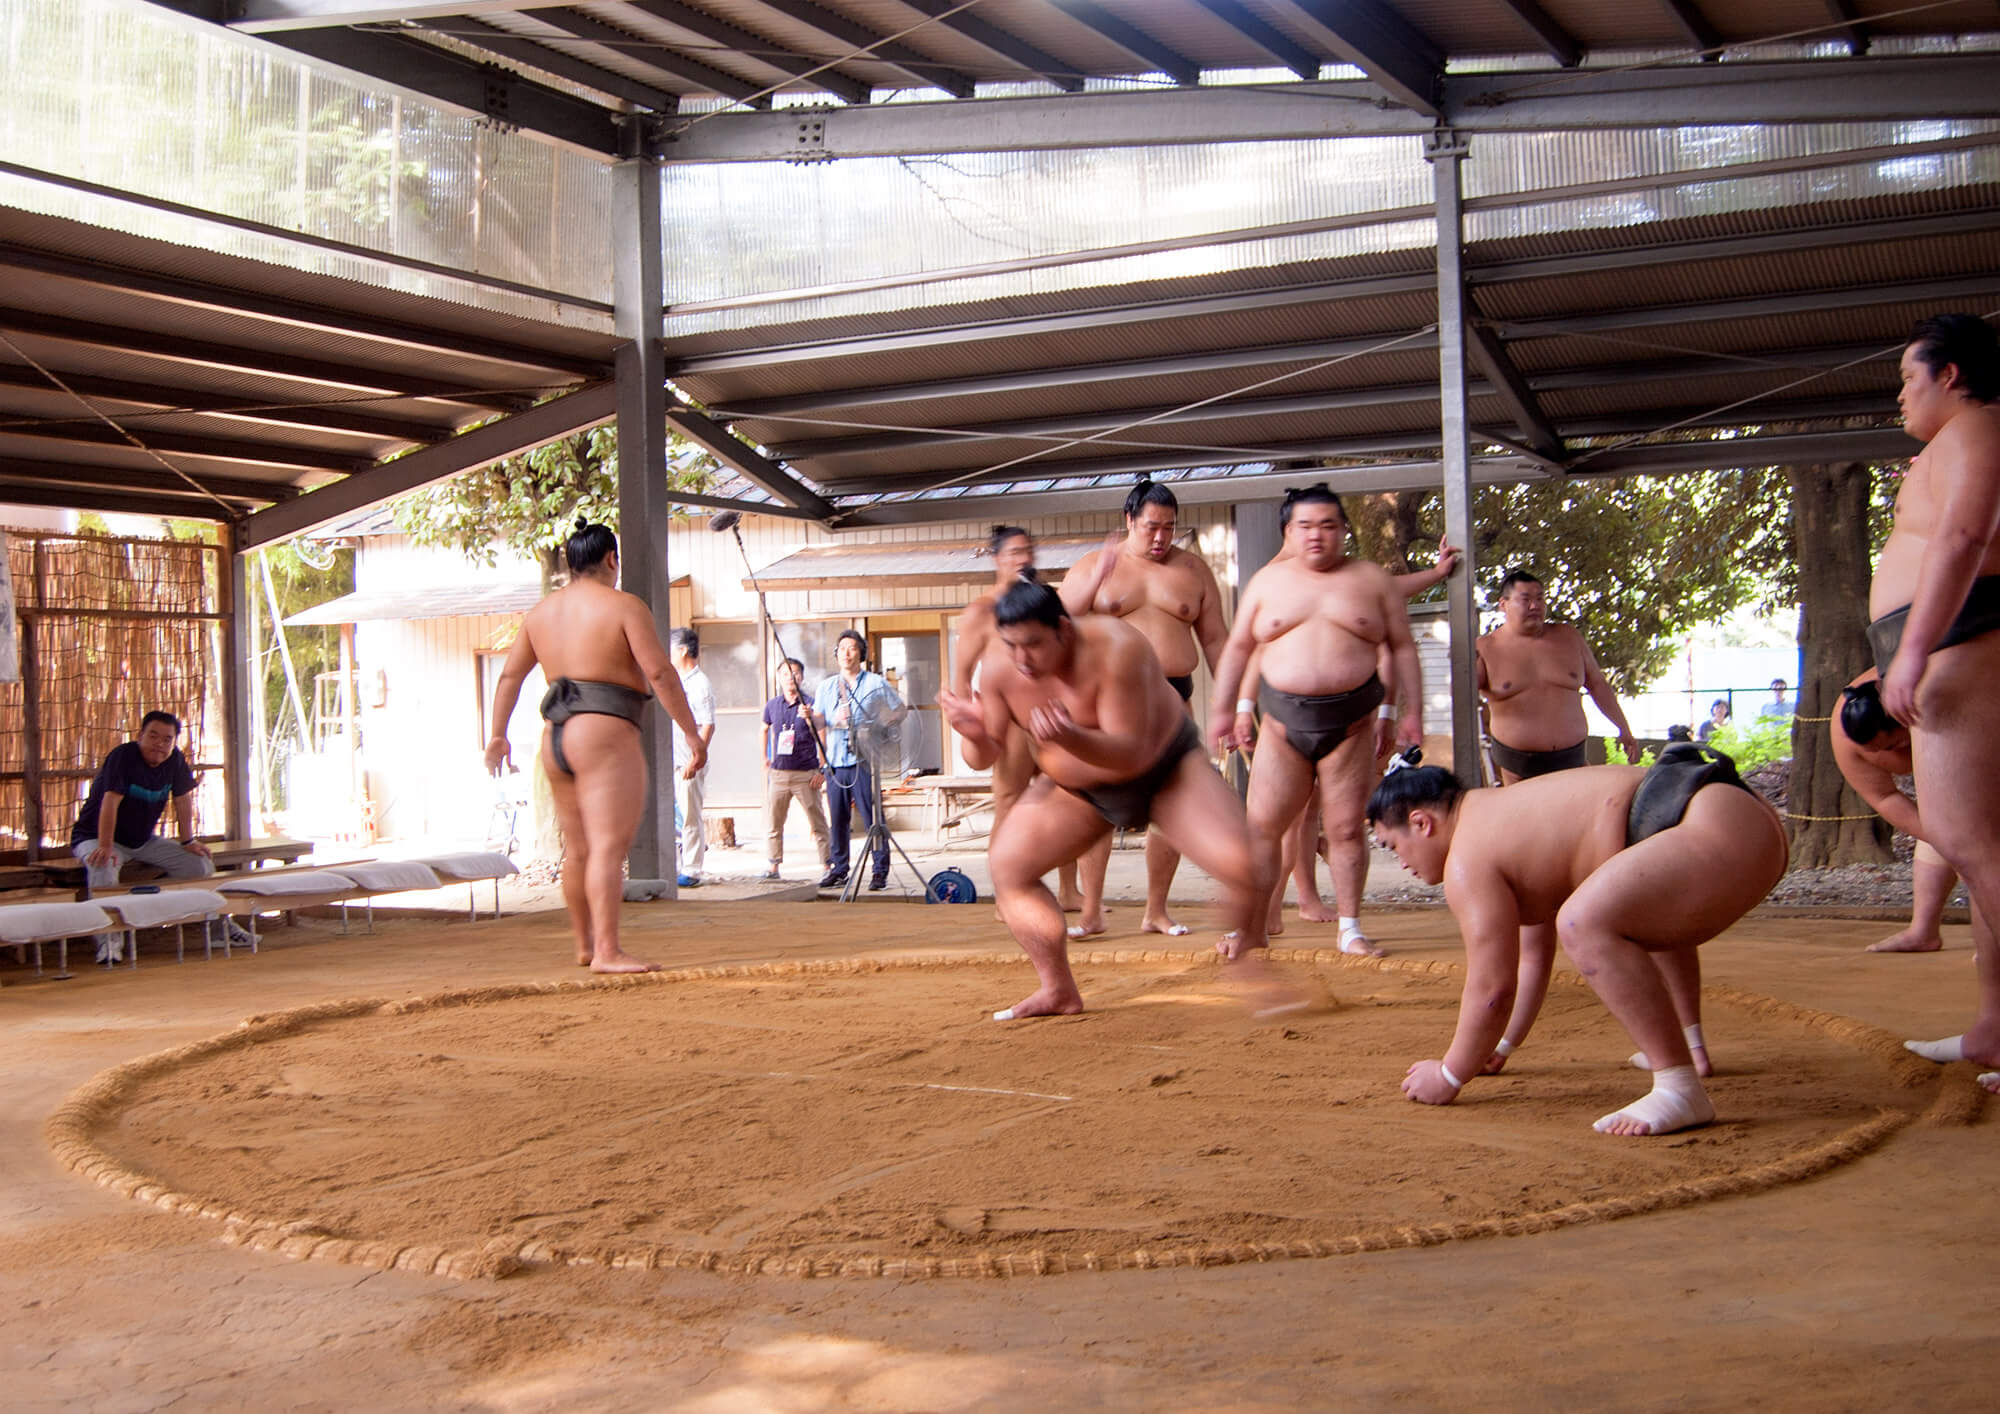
(126, 800)
(850, 698)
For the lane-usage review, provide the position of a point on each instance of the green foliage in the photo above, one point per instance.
(529, 504)
(1633, 562)
(1754, 741)
(298, 585)
(1614, 754)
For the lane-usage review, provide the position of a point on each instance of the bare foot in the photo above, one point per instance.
(1070, 903)
(1163, 924)
(1042, 1003)
(621, 961)
(1087, 927)
(1495, 1063)
(1990, 1082)
(584, 955)
(1313, 911)
(1701, 1062)
(1981, 1044)
(1909, 940)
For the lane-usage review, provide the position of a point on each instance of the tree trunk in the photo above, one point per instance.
(1830, 530)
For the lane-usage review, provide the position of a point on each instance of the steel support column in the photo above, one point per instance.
(240, 678)
(639, 294)
(1445, 150)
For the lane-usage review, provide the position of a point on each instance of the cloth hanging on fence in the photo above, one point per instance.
(10, 638)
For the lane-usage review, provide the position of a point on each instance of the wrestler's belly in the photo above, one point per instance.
(1896, 570)
(1172, 639)
(1538, 719)
(1317, 658)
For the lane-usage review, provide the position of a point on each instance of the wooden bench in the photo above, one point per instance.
(29, 876)
(224, 854)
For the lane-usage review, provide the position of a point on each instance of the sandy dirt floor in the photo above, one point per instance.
(865, 1118)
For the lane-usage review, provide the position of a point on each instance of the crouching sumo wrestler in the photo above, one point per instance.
(1630, 865)
(1114, 746)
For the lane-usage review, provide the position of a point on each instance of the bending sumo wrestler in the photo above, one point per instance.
(1114, 745)
(1629, 864)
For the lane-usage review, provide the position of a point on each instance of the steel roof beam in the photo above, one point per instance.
(216, 299)
(277, 16)
(494, 93)
(1690, 21)
(289, 460)
(1070, 376)
(1413, 475)
(1383, 45)
(755, 48)
(730, 503)
(955, 16)
(1133, 40)
(16, 472)
(1135, 419)
(84, 498)
(1882, 405)
(1512, 389)
(1559, 42)
(232, 359)
(481, 446)
(1273, 41)
(509, 45)
(1137, 463)
(1759, 307)
(1874, 89)
(577, 25)
(157, 400)
(1041, 325)
(756, 468)
(924, 72)
(1871, 444)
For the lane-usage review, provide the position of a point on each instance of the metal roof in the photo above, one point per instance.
(902, 566)
(430, 601)
(1593, 348)
(138, 375)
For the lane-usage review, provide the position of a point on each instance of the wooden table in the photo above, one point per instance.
(224, 854)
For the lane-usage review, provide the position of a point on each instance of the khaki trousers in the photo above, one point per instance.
(781, 788)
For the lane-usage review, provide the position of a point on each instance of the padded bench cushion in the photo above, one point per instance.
(164, 909)
(392, 876)
(277, 885)
(471, 866)
(38, 922)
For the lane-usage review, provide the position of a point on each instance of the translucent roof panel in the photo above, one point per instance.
(135, 98)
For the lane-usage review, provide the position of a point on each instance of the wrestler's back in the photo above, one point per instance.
(1532, 687)
(1319, 629)
(1162, 601)
(580, 631)
(1547, 835)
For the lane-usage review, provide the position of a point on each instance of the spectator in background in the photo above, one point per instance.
(847, 700)
(1779, 705)
(127, 797)
(791, 767)
(1718, 718)
(688, 781)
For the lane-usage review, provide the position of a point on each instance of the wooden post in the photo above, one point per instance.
(31, 704)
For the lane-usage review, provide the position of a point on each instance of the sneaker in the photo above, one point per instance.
(833, 878)
(110, 948)
(688, 881)
(772, 872)
(878, 883)
(238, 934)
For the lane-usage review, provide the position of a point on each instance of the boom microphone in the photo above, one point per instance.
(723, 521)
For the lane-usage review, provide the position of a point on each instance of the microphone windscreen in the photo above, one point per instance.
(724, 521)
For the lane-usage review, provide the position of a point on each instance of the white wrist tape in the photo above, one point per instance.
(1246, 704)
(1445, 1071)
(1387, 711)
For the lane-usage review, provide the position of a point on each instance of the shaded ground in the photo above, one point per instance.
(1867, 1287)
